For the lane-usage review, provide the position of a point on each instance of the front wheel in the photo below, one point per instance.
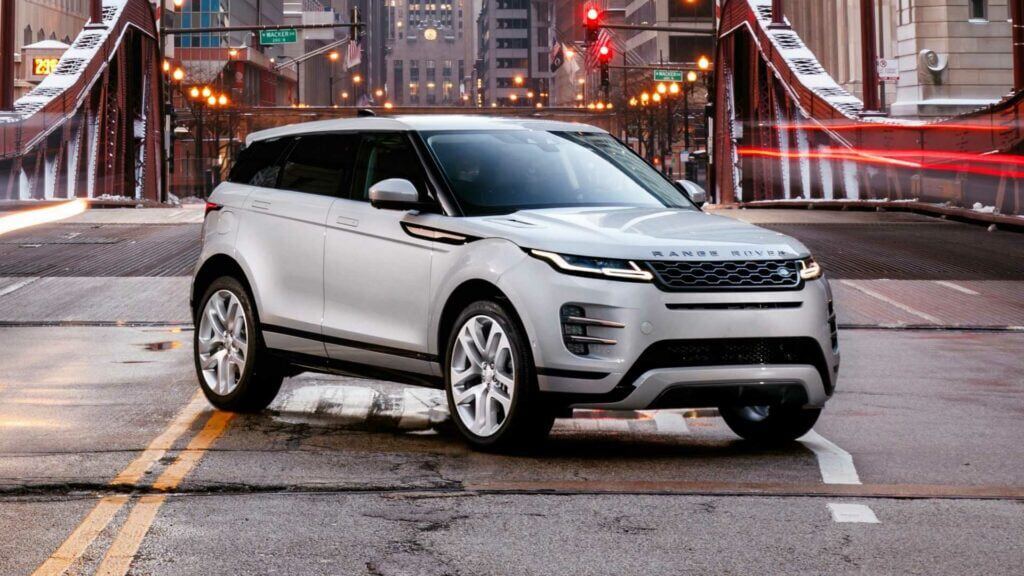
(490, 380)
(234, 371)
(772, 424)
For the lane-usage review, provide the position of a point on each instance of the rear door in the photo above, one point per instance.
(283, 238)
(377, 277)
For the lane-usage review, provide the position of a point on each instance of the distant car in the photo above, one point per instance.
(527, 267)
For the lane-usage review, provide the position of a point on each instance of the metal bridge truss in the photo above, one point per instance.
(784, 129)
(91, 128)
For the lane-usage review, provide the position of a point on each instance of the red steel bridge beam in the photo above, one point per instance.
(7, 55)
(869, 52)
(1017, 21)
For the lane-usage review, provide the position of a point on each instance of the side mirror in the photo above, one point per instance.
(695, 193)
(395, 194)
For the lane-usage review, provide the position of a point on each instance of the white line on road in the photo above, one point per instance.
(957, 287)
(17, 285)
(670, 422)
(836, 464)
(891, 302)
(846, 512)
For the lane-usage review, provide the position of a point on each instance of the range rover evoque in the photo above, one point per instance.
(526, 267)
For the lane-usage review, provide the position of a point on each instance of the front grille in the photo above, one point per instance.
(731, 352)
(735, 275)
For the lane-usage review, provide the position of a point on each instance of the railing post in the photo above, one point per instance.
(1017, 21)
(95, 14)
(7, 55)
(869, 54)
(778, 15)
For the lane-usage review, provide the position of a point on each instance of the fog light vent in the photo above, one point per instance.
(574, 330)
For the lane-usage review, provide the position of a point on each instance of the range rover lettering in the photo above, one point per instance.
(525, 267)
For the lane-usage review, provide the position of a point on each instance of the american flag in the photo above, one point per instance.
(603, 39)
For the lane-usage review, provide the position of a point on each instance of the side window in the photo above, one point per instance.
(320, 164)
(384, 156)
(259, 164)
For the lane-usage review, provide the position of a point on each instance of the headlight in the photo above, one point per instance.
(809, 269)
(607, 267)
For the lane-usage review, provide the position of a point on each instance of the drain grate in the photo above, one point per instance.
(109, 250)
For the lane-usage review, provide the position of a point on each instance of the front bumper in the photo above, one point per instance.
(622, 376)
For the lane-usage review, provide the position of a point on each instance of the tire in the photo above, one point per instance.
(252, 387)
(504, 384)
(774, 424)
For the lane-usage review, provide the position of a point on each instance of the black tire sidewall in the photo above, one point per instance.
(525, 374)
(783, 423)
(236, 398)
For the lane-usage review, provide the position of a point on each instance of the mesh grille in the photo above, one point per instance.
(751, 274)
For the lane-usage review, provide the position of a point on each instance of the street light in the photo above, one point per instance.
(703, 63)
(232, 52)
(212, 100)
(178, 74)
(656, 98)
(673, 88)
(356, 79)
(644, 97)
(691, 76)
(194, 92)
(518, 80)
(378, 93)
(662, 88)
(333, 56)
(207, 91)
(222, 100)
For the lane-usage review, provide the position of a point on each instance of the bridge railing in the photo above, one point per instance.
(77, 134)
(785, 129)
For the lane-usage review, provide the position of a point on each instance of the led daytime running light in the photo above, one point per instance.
(632, 273)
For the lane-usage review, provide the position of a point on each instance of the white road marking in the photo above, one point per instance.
(670, 422)
(836, 464)
(17, 285)
(846, 512)
(891, 302)
(957, 287)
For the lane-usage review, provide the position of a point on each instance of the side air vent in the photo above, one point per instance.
(575, 334)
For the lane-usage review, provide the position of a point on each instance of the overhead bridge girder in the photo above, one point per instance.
(784, 129)
(92, 127)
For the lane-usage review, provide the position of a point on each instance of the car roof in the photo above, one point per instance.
(421, 123)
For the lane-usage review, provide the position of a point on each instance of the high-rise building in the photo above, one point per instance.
(430, 52)
(49, 23)
(514, 47)
(676, 47)
(951, 56)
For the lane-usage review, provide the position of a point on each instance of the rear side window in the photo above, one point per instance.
(258, 164)
(320, 164)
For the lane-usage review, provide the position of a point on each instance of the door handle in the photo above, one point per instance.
(261, 204)
(345, 221)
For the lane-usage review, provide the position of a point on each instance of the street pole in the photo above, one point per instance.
(1017, 18)
(201, 182)
(778, 17)
(7, 55)
(869, 57)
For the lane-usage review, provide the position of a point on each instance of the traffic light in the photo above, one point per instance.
(604, 58)
(591, 21)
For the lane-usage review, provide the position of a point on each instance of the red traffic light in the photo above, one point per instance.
(604, 53)
(592, 15)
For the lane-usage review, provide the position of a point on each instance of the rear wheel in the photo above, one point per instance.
(770, 424)
(233, 368)
(490, 380)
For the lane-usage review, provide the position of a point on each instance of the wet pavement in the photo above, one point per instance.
(111, 463)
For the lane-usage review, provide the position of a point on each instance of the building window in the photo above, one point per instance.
(431, 70)
(979, 9)
(26, 39)
(414, 70)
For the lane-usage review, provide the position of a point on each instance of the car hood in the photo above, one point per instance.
(635, 233)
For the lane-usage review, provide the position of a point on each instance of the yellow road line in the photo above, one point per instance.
(162, 443)
(122, 551)
(190, 456)
(119, 558)
(101, 515)
(83, 536)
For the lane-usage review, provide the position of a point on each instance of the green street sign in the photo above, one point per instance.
(668, 75)
(286, 36)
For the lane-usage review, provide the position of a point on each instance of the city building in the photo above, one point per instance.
(44, 24)
(952, 56)
(430, 53)
(652, 46)
(514, 49)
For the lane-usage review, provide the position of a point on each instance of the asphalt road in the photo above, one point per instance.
(111, 464)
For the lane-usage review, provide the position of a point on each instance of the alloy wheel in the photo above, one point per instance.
(482, 375)
(223, 340)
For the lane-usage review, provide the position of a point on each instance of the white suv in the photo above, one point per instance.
(526, 267)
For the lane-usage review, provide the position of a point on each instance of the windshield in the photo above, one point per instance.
(501, 171)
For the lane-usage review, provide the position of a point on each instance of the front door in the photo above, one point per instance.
(376, 276)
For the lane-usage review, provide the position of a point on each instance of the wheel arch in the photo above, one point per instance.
(214, 267)
(465, 294)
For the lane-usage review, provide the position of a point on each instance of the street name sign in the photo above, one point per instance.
(285, 36)
(668, 75)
